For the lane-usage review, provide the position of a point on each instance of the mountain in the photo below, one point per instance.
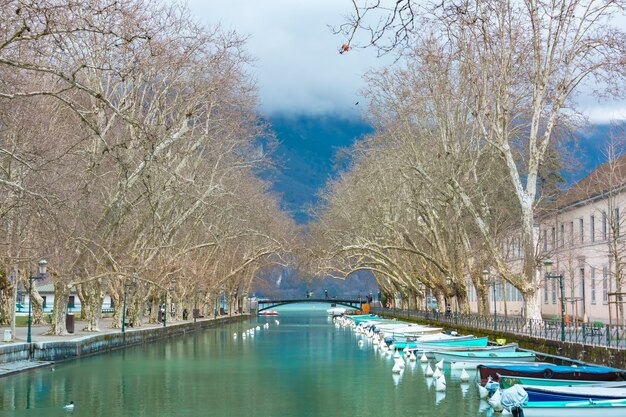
(306, 150)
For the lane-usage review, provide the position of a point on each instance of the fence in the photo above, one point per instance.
(597, 334)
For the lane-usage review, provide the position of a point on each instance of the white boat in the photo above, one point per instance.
(412, 331)
(487, 356)
(336, 311)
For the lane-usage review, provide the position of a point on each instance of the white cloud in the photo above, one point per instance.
(298, 67)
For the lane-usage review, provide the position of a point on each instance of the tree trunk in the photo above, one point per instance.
(90, 296)
(59, 312)
(37, 303)
(118, 302)
(532, 301)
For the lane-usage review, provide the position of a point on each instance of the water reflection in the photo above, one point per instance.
(304, 367)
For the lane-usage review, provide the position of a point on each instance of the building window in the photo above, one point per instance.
(553, 240)
(581, 229)
(592, 228)
(593, 285)
(553, 291)
(571, 233)
(562, 235)
(616, 222)
(604, 225)
(519, 247)
(605, 285)
(545, 240)
(545, 290)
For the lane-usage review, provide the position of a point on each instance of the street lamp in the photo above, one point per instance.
(548, 264)
(126, 286)
(41, 273)
(492, 283)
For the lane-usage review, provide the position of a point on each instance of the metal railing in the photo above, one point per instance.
(585, 333)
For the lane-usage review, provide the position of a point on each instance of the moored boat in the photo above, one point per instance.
(589, 408)
(336, 311)
(507, 381)
(549, 371)
(269, 313)
(485, 356)
(578, 393)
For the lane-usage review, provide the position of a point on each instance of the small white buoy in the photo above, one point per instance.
(464, 376)
(437, 373)
(429, 371)
(439, 364)
(423, 359)
(412, 357)
(406, 349)
(392, 346)
(235, 335)
(440, 384)
(277, 322)
(396, 355)
(359, 343)
(69, 407)
(400, 362)
(258, 327)
(396, 368)
(482, 391)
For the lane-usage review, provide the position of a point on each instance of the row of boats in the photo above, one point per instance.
(510, 379)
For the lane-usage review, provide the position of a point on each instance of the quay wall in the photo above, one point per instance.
(577, 352)
(54, 351)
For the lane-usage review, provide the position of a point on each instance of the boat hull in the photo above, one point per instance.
(491, 357)
(549, 371)
(508, 381)
(570, 394)
(576, 409)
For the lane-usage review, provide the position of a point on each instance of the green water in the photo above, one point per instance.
(302, 367)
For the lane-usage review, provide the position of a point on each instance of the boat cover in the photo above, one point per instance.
(513, 397)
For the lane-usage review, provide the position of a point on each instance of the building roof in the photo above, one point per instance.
(608, 177)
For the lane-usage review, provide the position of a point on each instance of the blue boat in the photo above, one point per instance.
(548, 371)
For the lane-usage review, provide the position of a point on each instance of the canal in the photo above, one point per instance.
(303, 366)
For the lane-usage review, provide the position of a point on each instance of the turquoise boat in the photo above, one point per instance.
(426, 346)
(434, 344)
(364, 317)
(589, 408)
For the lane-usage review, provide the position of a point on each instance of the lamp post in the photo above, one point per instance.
(126, 286)
(43, 265)
(548, 265)
(492, 283)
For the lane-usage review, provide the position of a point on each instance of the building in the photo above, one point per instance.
(583, 231)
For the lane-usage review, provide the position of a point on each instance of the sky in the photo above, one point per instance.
(298, 68)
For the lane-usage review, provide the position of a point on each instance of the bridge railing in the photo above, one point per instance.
(597, 333)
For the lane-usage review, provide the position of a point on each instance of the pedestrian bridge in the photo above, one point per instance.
(344, 302)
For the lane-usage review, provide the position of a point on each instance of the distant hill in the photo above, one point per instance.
(306, 152)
